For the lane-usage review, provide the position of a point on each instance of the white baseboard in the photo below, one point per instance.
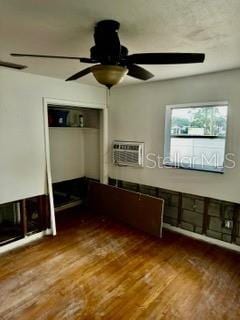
(24, 241)
(48, 232)
(202, 237)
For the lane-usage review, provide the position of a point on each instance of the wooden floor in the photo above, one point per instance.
(98, 269)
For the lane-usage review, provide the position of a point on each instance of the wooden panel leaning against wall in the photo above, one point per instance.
(211, 217)
(23, 218)
(141, 211)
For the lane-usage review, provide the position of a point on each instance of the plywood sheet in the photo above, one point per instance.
(141, 211)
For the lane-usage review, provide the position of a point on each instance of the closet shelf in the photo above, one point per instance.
(84, 128)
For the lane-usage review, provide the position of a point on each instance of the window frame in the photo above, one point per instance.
(168, 136)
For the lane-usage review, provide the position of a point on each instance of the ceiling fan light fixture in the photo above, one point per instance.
(112, 58)
(109, 75)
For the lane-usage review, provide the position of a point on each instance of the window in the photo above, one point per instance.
(195, 136)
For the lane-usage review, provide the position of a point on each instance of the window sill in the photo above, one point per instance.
(195, 168)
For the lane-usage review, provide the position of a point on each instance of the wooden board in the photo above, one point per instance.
(141, 211)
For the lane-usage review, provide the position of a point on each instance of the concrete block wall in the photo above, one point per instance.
(128, 185)
(171, 204)
(194, 213)
(238, 231)
(218, 212)
(8, 212)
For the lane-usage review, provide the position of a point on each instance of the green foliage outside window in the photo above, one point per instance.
(212, 120)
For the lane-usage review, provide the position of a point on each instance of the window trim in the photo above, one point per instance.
(168, 136)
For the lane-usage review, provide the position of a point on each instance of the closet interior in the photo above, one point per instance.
(74, 141)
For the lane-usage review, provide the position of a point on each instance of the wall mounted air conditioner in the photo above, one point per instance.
(128, 153)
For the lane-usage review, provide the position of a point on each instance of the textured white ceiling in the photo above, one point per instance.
(65, 27)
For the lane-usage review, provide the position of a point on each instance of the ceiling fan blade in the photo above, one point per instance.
(88, 60)
(165, 58)
(138, 72)
(12, 65)
(79, 74)
(44, 56)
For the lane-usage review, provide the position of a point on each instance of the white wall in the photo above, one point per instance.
(137, 112)
(74, 153)
(22, 158)
(66, 153)
(92, 153)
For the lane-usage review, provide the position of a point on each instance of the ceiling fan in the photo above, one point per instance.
(112, 62)
(12, 65)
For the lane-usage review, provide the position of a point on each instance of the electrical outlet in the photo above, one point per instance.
(228, 224)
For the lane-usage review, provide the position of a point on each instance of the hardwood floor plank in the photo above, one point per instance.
(97, 268)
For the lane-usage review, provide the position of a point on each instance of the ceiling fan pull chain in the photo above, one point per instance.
(108, 97)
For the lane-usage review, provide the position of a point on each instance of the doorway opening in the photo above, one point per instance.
(75, 137)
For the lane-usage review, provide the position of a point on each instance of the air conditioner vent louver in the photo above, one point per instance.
(128, 153)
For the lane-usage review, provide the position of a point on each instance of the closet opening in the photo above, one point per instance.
(74, 141)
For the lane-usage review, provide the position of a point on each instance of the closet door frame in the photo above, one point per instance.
(103, 133)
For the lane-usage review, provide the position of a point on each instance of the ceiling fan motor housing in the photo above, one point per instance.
(107, 49)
